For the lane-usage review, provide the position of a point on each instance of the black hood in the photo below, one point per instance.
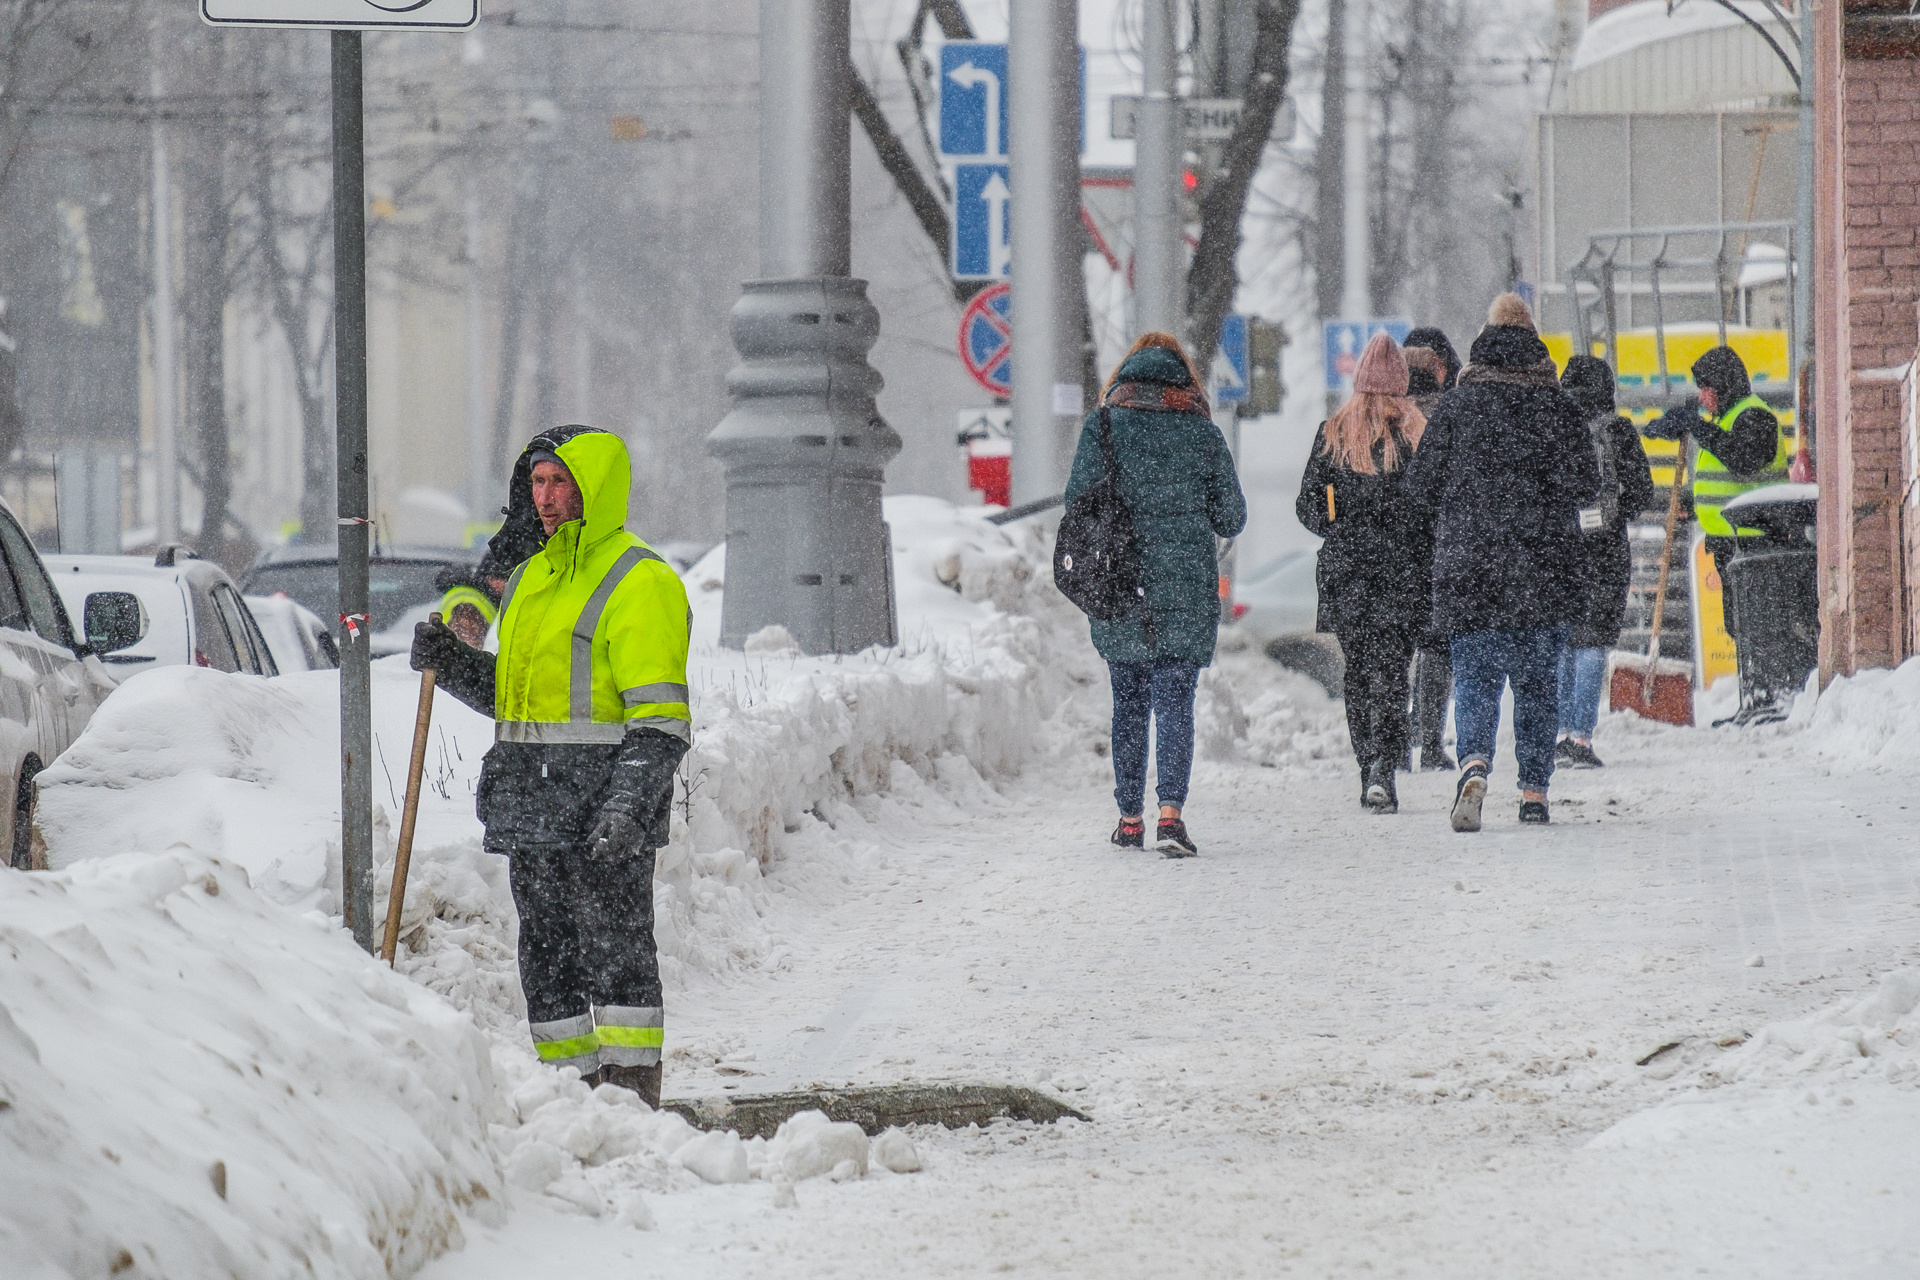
(1434, 340)
(1723, 370)
(1508, 346)
(1590, 382)
(521, 533)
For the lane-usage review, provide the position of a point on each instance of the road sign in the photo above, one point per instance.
(344, 15)
(1346, 339)
(982, 234)
(973, 100)
(987, 437)
(1203, 119)
(1230, 374)
(986, 339)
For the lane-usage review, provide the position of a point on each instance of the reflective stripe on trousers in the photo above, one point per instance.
(569, 1042)
(629, 1037)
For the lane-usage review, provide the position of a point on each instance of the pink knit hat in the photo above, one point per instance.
(1382, 370)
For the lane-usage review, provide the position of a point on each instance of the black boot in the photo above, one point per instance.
(1380, 795)
(644, 1081)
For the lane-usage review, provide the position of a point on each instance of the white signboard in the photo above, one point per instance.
(346, 15)
(1203, 119)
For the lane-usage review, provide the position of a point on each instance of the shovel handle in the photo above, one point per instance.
(403, 850)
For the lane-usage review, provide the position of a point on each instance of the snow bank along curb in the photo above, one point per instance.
(195, 1083)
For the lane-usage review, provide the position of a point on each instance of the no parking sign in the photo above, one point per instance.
(986, 339)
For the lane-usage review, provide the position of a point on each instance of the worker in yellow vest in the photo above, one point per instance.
(1741, 448)
(589, 699)
(471, 601)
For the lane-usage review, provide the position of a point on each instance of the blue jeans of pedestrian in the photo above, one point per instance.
(1163, 691)
(1483, 663)
(1583, 672)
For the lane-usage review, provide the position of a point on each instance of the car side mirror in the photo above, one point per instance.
(114, 620)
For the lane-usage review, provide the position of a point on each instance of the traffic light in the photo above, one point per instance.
(1265, 340)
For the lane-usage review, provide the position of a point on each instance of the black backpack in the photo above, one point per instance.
(1096, 558)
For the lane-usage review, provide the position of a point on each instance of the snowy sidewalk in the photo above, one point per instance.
(1334, 1043)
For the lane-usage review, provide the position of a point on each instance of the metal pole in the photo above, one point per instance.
(480, 485)
(1800, 274)
(805, 448)
(350, 442)
(166, 442)
(1043, 96)
(1356, 300)
(1156, 182)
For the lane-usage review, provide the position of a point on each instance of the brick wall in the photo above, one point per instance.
(1866, 280)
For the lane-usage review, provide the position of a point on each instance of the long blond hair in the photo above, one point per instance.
(1163, 341)
(1369, 419)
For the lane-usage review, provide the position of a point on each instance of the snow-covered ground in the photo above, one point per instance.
(1679, 1030)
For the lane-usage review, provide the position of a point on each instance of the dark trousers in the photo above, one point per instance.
(587, 955)
(1722, 549)
(1432, 691)
(1161, 690)
(1376, 693)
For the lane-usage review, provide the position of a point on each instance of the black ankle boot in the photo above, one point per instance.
(644, 1081)
(1380, 795)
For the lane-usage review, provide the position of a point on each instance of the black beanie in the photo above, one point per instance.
(1434, 340)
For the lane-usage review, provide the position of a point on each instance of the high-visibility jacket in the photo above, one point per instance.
(1714, 485)
(594, 627)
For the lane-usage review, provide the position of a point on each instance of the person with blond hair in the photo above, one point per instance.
(1177, 478)
(1375, 557)
(1506, 469)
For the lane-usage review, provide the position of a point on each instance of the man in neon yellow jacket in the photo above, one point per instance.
(589, 697)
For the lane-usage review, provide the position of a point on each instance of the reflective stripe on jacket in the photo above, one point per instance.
(1714, 486)
(594, 628)
(457, 596)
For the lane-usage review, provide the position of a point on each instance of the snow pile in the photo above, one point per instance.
(194, 1082)
(1867, 720)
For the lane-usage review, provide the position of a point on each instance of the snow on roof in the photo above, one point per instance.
(1644, 22)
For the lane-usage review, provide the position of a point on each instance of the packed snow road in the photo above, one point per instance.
(1335, 1043)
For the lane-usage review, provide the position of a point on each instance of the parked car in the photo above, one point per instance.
(188, 611)
(401, 586)
(297, 638)
(50, 681)
(1275, 607)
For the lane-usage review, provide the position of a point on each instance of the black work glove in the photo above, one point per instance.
(435, 647)
(615, 838)
(1676, 423)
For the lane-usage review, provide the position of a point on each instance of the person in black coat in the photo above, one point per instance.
(1626, 489)
(1374, 561)
(1432, 368)
(1504, 468)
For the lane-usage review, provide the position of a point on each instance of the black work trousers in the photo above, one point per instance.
(587, 955)
(1432, 690)
(1376, 693)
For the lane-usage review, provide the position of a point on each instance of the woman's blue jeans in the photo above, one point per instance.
(1583, 673)
(1163, 691)
(1483, 663)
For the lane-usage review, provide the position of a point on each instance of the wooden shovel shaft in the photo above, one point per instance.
(1666, 567)
(403, 851)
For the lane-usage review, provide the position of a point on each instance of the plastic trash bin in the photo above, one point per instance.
(1774, 578)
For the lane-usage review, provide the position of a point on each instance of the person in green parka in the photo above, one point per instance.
(1178, 479)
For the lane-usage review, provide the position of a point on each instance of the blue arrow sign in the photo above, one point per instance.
(1230, 362)
(1346, 339)
(982, 238)
(973, 100)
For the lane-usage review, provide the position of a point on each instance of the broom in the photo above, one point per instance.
(1666, 697)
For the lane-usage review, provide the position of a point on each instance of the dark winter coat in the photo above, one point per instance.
(1178, 479)
(1617, 453)
(1376, 561)
(1503, 468)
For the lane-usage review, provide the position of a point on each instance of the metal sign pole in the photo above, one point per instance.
(350, 443)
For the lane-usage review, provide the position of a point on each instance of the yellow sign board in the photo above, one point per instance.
(1713, 654)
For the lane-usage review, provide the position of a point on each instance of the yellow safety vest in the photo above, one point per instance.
(1714, 486)
(594, 627)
